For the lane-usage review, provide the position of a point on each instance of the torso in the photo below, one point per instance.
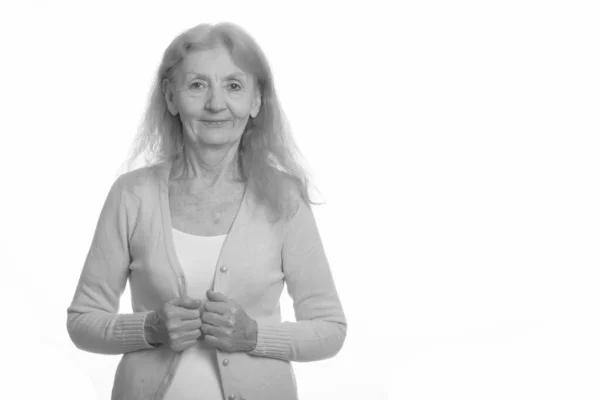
(210, 213)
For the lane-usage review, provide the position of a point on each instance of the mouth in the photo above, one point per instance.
(215, 122)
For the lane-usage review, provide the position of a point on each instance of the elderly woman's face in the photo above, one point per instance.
(213, 97)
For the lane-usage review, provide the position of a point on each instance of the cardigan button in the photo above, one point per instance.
(231, 397)
(225, 362)
(223, 269)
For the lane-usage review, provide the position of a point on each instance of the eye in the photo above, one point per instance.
(197, 85)
(235, 86)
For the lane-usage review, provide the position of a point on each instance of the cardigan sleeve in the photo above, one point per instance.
(93, 321)
(320, 328)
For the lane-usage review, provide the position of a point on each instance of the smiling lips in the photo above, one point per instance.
(215, 122)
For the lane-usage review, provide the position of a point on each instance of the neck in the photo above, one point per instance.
(207, 167)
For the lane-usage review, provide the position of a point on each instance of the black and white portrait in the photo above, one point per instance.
(301, 200)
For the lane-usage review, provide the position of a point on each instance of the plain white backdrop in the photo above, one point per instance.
(456, 145)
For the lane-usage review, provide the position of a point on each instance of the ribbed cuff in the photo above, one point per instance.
(274, 341)
(130, 331)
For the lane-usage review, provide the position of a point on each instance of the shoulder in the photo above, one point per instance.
(141, 182)
(293, 194)
(296, 203)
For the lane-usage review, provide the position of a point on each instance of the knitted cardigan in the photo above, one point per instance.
(133, 241)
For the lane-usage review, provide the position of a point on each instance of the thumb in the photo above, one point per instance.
(216, 296)
(187, 302)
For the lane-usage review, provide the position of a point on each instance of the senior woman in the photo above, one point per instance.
(207, 233)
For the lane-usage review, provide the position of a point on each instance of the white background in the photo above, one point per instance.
(456, 145)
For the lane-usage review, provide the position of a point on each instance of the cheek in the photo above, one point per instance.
(190, 106)
(241, 110)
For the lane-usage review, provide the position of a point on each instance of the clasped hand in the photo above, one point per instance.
(222, 323)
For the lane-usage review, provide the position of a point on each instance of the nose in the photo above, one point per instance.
(216, 100)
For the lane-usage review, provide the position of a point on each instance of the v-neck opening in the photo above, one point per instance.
(167, 225)
(185, 234)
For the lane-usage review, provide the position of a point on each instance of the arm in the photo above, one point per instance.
(93, 321)
(320, 330)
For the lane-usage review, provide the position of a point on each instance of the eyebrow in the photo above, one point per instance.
(235, 75)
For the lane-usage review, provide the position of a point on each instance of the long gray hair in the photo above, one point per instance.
(268, 158)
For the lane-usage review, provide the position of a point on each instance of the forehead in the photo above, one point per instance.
(214, 62)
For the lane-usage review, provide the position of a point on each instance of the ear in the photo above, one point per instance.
(256, 105)
(167, 90)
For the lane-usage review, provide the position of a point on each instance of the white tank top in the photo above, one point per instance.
(197, 376)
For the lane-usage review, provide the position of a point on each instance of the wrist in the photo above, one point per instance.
(150, 329)
(253, 336)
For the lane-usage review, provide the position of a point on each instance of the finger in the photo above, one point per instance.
(174, 311)
(214, 342)
(184, 314)
(217, 307)
(190, 325)
(212, 330)
(217, 319)
(216, 296)
(179, 335)
(182, 346)
(192, 335)
(187, 302)
(207, 330)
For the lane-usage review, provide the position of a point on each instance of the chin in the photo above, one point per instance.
(216, 139)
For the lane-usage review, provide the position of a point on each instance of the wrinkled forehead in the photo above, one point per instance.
(214, 60)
